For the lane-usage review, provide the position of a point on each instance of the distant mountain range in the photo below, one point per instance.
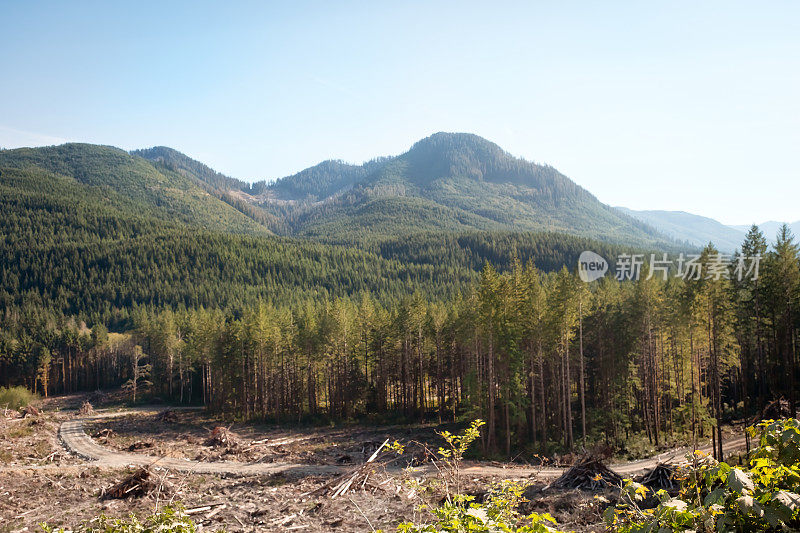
(697, 230)
(446, 182)
(97, 230)
(771, 227)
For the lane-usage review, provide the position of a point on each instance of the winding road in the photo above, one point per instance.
(75, 440)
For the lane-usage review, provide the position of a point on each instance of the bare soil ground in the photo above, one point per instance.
(32, 440)
(185, 435)
(276, 503)
(41, 482)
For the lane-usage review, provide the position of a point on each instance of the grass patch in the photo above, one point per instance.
(16, 397)
(42, 449)
(20, 431)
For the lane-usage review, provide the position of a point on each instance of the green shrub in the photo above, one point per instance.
(169, 519)
(499, 513)
(16, 397)
(716, 496)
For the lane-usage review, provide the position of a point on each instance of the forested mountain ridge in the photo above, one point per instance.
(108, 177)
(452, 182)
(448, 181)
(94, 232)
(184, 164)
(230, 190)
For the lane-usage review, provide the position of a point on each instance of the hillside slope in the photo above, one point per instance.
(448, 181)
(232, 191)
(693, 229)
(96, 232)
(108, 177)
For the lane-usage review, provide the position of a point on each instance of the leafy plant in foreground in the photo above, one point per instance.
(716, 496)
(499, 512)
(168, 520)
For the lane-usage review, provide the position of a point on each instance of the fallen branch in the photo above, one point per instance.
(203, 508)
(363, 470)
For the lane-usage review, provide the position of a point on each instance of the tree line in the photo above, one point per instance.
(547, 360)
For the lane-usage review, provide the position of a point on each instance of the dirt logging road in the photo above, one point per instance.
(75, 440)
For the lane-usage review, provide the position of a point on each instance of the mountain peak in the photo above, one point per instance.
(445, 142)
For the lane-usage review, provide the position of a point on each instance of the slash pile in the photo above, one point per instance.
(135, 485)
(222, 437)
(662, 476)
(589, 473)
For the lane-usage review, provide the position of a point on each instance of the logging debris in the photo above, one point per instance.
(168, 416)
(352, 480)
(135, 485)
(86, 409)
(103, 435)
(589, 473)
(662, 476)
(30, 410)
(222, 437)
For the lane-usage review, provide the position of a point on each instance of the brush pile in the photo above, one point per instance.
(355, 479)
(774, 410)
(86, 409)
(222, 437)
(662, 476)
(103, 435)
(136, 485)
(168, 416)
(589, 473)
(31, 411)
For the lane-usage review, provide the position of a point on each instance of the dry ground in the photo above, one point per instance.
(276, 503)
(41, 482)
(185, 433)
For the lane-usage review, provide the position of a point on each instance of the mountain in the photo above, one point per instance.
(113, 180)
(693, 229)
(96, 232)
(230, 190)
(697, 230)
(771, 227)
(446, 182)
(178, 162)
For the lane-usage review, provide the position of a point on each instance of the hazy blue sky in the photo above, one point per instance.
(686, 106)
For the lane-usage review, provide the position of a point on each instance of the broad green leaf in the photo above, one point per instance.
(740, 481)
(749, 506)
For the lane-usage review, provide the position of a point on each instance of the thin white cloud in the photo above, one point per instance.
(14, 138)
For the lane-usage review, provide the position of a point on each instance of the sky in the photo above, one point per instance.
(691, 106)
